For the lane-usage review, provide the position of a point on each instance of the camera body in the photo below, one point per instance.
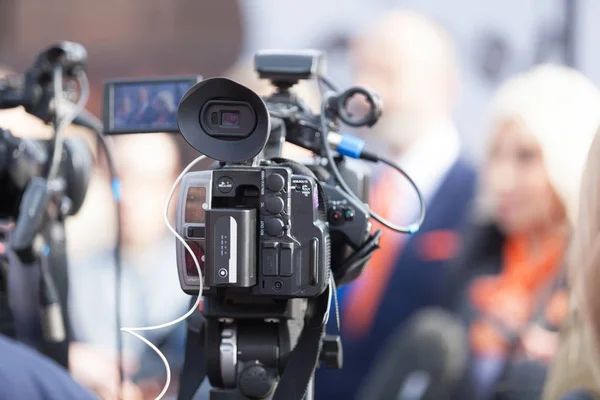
(264, 228)
(23, 159)
(260, 230)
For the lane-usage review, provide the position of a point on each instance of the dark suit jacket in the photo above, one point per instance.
(415, 283)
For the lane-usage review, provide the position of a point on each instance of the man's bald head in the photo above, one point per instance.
(409, 60)
(148, 165)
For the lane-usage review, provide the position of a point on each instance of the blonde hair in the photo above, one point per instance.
(577, 362)
(584, 253)
(561, 108)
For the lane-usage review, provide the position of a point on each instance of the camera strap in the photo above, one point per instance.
(305, 357)
(303, 361)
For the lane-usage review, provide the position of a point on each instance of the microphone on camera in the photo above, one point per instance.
(425, 359)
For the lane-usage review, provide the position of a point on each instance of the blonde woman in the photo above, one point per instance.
(577, 362)
(511, 290)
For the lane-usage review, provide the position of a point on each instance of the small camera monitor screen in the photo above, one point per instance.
(138, 106)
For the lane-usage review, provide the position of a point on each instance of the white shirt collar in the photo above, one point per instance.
(427, 162)
(429, 159)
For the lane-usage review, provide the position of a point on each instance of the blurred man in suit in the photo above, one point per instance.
(409, 61)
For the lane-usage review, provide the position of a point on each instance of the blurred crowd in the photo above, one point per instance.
(494, 297)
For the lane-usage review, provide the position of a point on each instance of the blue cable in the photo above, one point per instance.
(116, 189)
(351, 146)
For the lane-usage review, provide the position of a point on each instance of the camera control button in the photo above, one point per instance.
(225, 184)
(275, 227)
(270, 262)
(275, 182)
(336, 217)
(285, 260)
(314, 261)
(274, 204)
(348, 213)
(196, 232)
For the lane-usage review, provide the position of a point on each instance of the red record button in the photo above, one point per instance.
(336, 217)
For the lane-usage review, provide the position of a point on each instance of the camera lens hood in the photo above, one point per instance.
(224, 120)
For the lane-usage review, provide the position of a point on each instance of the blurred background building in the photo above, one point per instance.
(154, 37)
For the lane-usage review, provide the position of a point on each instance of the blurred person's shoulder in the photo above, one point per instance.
(465, 169)
(24, 374)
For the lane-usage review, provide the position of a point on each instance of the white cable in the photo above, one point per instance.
(335, 301)
(196, 304)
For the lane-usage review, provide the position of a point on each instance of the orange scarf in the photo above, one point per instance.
(510, 297)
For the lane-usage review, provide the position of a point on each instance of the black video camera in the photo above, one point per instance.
(262, 238)
(22, 160)
(37, 173)
(42, 183)
(260, 226)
